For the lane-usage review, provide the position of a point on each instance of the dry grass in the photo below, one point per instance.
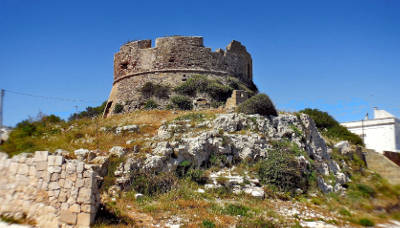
(86, 133)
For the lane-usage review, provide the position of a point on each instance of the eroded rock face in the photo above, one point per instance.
(235, 138)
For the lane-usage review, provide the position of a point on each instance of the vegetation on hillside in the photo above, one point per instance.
(89, 112)
(217, 90)
(258, 104)
(329, 127)
(23, 137)
(368, 199)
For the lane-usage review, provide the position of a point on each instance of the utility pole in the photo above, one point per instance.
(1, 107)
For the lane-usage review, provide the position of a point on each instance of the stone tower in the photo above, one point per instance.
(173, 60)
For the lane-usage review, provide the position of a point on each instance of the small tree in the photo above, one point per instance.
(258, 104)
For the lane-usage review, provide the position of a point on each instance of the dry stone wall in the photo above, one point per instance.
(49, 189)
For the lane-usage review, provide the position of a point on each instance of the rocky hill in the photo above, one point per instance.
(195, 169)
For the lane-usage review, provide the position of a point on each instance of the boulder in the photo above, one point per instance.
(343, 147)
(127, 128)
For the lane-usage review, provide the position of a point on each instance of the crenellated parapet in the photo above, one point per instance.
(180, 54)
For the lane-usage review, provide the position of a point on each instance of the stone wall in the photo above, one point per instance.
(172, 61)
(238, 97)
(179, 53)
(49, 189)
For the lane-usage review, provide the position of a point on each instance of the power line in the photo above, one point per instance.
(52, 98)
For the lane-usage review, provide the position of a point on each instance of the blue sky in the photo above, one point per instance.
(340, 56)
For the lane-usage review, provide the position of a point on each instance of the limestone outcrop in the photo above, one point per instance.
(235, 138)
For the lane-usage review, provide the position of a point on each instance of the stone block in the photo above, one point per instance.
(68, 217)
(89, 183)
(68, 184)
(54, 186)
(88, 173)
(75, 208)
(54, 169)
(89, 208)
(79, 167)
(84, 219)
(71, 167)
(41, 165)
(55, 177)
(41, 156)
(23, 169)
(64, 206)
(61, 182)
(84, 195)
(47, 176)
(55, 160)
(13, 168)
(79, 183)
(32, 171)
(62, 197)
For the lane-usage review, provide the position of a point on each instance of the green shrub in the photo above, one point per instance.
(281, 170)
(236, 209)
(344, 212)
(23, 137)
(366, 222)
(182, 102)
(118, 108)
(366, 190)
(149, 89)
(193, 85)
(258, 104)
(150, 104)
(208, 224)
(152, 184)
(330, 127)
(89, 112)
(218, 91)
(109, 179)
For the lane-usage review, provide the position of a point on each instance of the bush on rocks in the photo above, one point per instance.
(258, 104)
(182, 102)
(150, 104)
(152, 184)
(330, 127)
(281, 170)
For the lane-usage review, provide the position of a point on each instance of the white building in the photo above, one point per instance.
(380, 134)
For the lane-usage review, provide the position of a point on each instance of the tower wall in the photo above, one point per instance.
(170, 62)
(172, 54)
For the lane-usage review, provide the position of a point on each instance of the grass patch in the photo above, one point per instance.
(208, 224)
(150, 104)
(236, 209)
(366, 222)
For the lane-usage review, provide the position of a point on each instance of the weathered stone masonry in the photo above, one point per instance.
(49, 189)
(171, 61)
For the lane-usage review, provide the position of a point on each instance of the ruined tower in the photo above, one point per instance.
(170, 62)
